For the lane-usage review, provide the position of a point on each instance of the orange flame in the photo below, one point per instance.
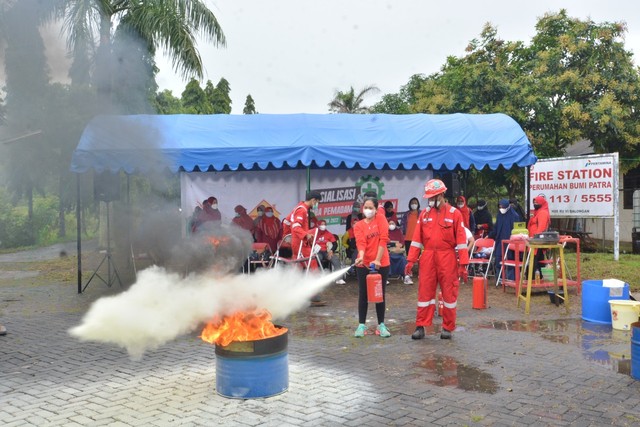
(240, 326)
(216, 241)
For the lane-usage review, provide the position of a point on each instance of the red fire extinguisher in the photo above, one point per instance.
(374, 285)
(479, 301)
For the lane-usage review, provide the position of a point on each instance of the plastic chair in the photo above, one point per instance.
(478, 261)
(515, 263)
(298, 258)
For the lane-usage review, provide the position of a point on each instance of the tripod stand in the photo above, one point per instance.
(112, 271)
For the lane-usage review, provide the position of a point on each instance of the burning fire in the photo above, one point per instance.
(241, 326)
(217, 241)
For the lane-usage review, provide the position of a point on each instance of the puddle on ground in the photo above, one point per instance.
(445, 371)
(601, 344)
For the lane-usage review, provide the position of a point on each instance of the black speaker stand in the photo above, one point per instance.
(112, 271)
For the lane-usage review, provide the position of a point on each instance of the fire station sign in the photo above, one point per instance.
(577, 187)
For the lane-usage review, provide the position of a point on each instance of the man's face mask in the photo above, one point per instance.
(480, 208)
(503, 210)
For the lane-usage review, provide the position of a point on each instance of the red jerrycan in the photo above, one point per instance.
(479, 293)
(374, 285)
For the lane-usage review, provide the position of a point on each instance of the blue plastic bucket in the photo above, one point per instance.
(595, 300)
(635, 350)
(252, 369)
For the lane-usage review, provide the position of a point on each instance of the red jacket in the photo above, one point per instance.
(541, 219)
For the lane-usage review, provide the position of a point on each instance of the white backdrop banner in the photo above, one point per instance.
(577, 187)
(283, 189)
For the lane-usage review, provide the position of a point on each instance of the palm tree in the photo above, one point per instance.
(349, 102)
(168, 24)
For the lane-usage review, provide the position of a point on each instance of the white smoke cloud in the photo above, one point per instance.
(161, 306)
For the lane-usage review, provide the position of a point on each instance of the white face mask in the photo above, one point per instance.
(392, 227)
(461, 205)
(480, 208)
(315, 207)
(237, 215)
(214, 206)
(268, 214)
(414, 206)
(260, 213)
(322, 227)
(503, 210)
(432, 203)
(369, 213)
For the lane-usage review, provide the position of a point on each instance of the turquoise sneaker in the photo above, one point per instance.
(383, 331)
(360, 330)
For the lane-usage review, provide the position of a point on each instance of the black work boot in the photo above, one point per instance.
(445, 335)
(418, 334)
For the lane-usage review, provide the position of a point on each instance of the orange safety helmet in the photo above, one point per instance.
(433, 187)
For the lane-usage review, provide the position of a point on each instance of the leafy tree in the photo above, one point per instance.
(166, 103)
(220, 100)
(249, 106)
(401, 102)
(350, 102)
(194, 100)
(27, 77)
(170, 24)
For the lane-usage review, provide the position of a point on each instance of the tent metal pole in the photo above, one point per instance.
(79, 232)
(308, 178)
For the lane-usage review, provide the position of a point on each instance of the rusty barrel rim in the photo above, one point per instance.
(261, 347)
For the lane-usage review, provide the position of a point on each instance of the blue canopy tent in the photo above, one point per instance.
(263, 141)
(223, 142)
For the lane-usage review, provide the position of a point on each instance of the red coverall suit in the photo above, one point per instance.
(440, 233)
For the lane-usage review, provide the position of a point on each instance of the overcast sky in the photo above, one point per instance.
(292, 55)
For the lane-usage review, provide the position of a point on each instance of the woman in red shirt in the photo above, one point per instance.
(372, 236)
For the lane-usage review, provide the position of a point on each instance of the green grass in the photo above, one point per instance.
(598, 266)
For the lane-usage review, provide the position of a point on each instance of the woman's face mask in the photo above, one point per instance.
(237, 215)
(368, 212)
(461, 205)
(480, 208)
(392, 227)
(268, 214)
(260, 213)
(503, 210)
(414, 206)
(214, 206)
(322, 227)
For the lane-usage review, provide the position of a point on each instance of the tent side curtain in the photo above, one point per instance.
(218, 142)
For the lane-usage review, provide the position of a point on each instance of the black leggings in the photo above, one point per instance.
(363, 303)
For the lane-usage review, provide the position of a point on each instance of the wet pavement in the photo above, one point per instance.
(502, 367)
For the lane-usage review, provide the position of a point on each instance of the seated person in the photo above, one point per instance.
(397, 253)
(327, 241)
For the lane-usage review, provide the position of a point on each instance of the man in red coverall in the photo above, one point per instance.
(298, 224)
(444, 259)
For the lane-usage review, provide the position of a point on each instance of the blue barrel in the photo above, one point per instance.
(252, 369)
(595, 300)
(635, 350)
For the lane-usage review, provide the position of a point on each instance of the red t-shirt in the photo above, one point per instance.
(370, 236)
